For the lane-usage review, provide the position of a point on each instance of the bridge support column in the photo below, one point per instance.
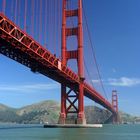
(72, 106)
(116, 118)
(72, 101)
(81, 115)
(62, 117)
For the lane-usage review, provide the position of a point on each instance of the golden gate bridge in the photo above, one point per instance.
(19, 45)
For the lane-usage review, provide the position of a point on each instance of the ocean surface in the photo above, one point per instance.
(37, 132)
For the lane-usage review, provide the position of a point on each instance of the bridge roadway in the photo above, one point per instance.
(19, 46)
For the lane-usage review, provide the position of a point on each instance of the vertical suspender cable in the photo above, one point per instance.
(55, 26)
(15, 11)
(52, 17)
(58, 37)
(45, 22)
(25, 14)
(12, 7)
(53, 7)
(4, 6)
(36, 20)
(40, 21)
(50, 30)
(47, 25)
(32, 18)
(18, 11)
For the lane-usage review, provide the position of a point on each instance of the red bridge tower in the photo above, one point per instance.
(116, 118)
(71, 97)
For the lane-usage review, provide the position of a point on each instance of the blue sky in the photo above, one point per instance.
(115, 31)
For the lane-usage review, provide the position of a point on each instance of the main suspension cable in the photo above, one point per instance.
(94, 54)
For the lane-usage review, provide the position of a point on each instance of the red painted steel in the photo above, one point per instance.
(116, 118)
(19, 46)
(115, 100)
(73, 54)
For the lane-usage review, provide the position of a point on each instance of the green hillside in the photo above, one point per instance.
(48, 111)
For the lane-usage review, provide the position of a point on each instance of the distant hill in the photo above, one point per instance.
(4, 107)
(48, 111)
(96, 115)
(127, 118)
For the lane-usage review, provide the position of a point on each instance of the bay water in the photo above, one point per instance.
(37, 132)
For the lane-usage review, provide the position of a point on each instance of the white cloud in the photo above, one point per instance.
(28, 87)
(124, 82)
(96, 81)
